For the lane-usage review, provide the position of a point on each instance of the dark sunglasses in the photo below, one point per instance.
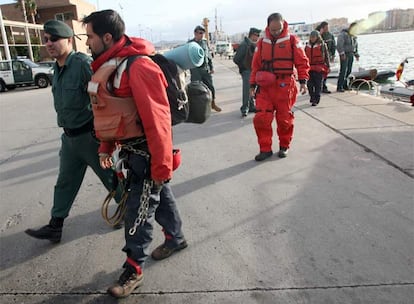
(51, 38)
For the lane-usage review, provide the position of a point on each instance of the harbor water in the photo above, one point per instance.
(385, 51)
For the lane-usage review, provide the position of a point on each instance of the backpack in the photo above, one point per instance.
(179, 106)
(199, 99)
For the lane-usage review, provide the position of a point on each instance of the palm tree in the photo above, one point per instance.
(28, 7)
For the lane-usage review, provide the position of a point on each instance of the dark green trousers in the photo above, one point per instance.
(76, 154)
(202, 74)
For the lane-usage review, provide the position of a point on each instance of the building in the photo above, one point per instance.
(22, 33)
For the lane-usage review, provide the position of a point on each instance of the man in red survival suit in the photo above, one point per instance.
(278, 54)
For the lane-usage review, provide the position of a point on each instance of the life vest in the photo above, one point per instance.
(316, 57)
(115, 118)
(277, 56)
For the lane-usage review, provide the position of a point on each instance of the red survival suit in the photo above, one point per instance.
(151, 106)
(281, 56)
(318, 58)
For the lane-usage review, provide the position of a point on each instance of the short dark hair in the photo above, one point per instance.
(274, 17)
(106, 21)
(321, 25)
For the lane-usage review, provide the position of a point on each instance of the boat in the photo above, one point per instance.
(401, 93)
(366, 74)
(373, 74)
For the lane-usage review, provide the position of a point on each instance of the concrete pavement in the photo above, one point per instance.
(331, 223)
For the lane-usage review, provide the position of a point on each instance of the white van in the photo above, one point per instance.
(18, 72)
(224, 48)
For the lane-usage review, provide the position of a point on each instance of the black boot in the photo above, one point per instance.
(263, 155)
(51, 232)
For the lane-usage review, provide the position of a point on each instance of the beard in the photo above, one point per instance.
(98, 53)
(95, 55)
(276, 34)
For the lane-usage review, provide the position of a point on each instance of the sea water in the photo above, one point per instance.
(385, 51)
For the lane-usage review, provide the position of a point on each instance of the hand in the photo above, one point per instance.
(303, 88)
(252, 92)
(158, 183)
(105, 160)
(357, 58)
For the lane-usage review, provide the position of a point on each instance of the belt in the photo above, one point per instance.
(88, 127)
(282, 76)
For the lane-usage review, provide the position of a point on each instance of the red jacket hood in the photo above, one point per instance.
(284, 32)
(126, 46)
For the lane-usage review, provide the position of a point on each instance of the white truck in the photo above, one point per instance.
(224, 48)
(19, 72)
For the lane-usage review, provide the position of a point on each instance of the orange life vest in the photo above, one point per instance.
(115, 118)
(277, 56)
(316, 57)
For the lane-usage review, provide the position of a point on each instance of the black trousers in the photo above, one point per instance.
(315, 86)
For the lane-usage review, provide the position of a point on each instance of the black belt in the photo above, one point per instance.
(88, 127)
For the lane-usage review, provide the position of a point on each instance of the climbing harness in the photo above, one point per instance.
(124, 176)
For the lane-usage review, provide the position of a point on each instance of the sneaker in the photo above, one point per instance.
(283, 152)
(326, 91)
(51, 232)
(163, 252)
(263, 155)
(244, 115)
(128, 281)
(340, 90)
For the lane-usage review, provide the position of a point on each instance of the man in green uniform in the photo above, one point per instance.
(243, 59)
(203, 72)
(79, 148)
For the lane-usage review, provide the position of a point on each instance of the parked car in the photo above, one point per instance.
(19, 72)
(49, 64)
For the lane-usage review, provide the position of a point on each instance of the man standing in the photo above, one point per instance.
(347, 47)
(329, 40)
(204, 72)
(276, 57)
(79, 146)
(132, 111)
(243, 59)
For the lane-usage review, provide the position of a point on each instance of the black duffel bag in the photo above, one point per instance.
(199, 100)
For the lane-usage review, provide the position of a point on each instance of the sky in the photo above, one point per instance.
(175, 20)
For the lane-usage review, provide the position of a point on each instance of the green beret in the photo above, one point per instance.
(58, 28)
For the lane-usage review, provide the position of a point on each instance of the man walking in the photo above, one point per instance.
(276, 57)
(204, 72)
(132, 112)
(243, 59)
(79, 146)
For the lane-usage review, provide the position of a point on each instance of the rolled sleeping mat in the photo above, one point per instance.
(187, 56)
